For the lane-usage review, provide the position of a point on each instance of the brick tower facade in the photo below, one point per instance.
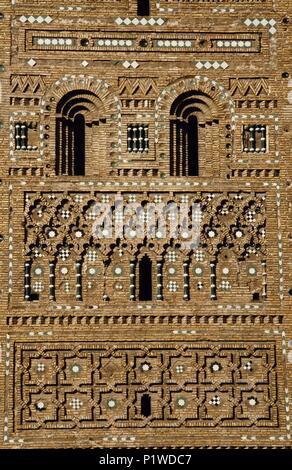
(112, 111)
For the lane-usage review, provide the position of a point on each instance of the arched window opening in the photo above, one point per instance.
(145, 278)
(146, 405)
(193, 117)
(143, 7)
(78, 117)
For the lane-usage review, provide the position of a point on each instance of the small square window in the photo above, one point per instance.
(254, 138)
(138, 138)
(25, 136)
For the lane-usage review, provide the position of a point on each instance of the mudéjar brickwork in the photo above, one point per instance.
(112, 111)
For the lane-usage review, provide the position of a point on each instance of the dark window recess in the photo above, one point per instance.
(143, 7)
(193, 157)
(79, 145)
(138, 138)
(254, 138)
(22, 135)
(213, 284)
(27, 285)
(190, 120)
(34, 296)
(184, 147)
(76, 120)
(145, 405)
(145, 278)
(256, 296)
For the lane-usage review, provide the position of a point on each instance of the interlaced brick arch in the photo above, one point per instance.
(194, 148)
(103, 92)
(220, 96)
(90, 83)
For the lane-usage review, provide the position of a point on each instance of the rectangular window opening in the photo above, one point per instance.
(137, 136)
(254, 138)
(25, 136)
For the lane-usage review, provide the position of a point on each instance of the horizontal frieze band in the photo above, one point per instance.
(90, 41)
(63, 319)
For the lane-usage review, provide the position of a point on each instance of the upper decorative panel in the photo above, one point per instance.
(40, 40)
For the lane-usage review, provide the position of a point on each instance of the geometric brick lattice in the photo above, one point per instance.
(182, 384)
(57, 231)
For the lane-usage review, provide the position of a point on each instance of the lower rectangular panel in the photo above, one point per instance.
(188, 392)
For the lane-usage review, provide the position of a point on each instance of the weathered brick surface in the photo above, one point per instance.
(85, 360)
